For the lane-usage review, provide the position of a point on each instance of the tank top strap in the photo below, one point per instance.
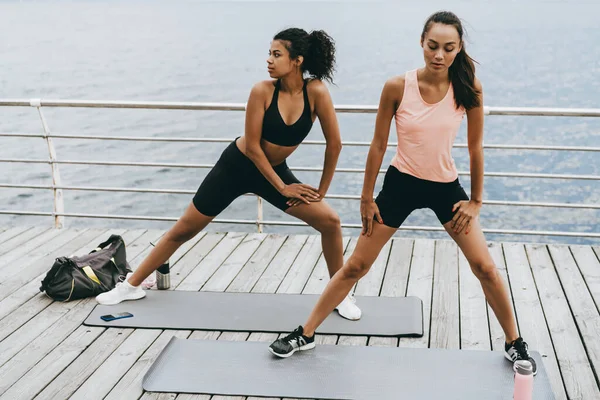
(411, 85)
(305, 91)
(276, 92)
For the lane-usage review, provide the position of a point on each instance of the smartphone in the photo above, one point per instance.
(112, 317)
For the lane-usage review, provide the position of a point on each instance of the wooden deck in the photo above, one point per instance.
(45, 352)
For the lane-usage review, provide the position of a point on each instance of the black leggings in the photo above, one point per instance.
(403, 193)
(234, 175)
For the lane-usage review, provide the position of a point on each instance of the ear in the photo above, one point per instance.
(300, 60)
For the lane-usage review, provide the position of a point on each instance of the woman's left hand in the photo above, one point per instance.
(466, 211)
(296, 202)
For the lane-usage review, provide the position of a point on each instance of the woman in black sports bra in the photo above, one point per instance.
(279, 115)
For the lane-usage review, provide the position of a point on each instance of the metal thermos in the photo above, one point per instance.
(163, 278)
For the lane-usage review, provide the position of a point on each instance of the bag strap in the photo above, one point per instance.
(91, 274)
(110, 240)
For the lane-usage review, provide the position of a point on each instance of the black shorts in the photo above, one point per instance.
(403, 193)
(233, 175)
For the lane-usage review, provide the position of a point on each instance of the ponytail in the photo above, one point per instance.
(319, 61)
(462, 76)
(317, 48)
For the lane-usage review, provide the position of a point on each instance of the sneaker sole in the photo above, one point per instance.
(348, 318)
(112, 303)
(514, 369)
(309, 346)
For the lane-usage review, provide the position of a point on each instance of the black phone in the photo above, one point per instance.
(112, 317)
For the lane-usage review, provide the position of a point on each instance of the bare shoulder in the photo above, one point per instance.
(393, 91)
(264, 87)
(395, 84)
(477, 84)
(317, 88)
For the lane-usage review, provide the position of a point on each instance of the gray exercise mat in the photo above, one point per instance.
(336, 372)
(258, 312)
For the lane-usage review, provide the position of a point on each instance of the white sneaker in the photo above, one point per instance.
(348, 309)
(122, 291)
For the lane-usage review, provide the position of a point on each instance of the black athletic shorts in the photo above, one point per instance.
(403, 193)
(233, 175)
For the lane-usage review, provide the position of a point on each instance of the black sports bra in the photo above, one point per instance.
(275, 130)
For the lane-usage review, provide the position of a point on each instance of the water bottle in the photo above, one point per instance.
(523, 380)
(163, 279)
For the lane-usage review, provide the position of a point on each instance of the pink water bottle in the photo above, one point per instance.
(523, 380)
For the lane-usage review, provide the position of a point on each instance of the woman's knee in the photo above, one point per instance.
(484, 270)
(329, 223)
(356, 268)
(182, 231)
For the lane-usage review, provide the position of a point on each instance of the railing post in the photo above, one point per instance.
(59, 204)
(259, 218)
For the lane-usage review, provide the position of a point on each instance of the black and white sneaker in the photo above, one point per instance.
(518, 350)
(293, 342)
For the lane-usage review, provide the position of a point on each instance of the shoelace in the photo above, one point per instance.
(522, 350)
(292, 336)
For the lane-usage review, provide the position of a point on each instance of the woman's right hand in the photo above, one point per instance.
(369, 209)
(301, 191)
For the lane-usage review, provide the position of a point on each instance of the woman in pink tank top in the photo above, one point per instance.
(428, 105)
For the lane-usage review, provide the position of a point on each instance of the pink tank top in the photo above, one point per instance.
(426, 133)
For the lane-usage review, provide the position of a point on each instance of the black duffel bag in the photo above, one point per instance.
(72, 278)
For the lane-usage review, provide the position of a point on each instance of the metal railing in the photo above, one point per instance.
(57, 187)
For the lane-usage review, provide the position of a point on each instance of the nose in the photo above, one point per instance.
(439, 55)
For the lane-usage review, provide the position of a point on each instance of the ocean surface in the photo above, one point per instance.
(530, 54)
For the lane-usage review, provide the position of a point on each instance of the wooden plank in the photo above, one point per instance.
(445, 311)
(32, 329)
(397, 270)
(573, 362)
(253, 270)
(100, 383)
(186, 264)
(141, 247)
(241, 256)
(207, 267)
(298, 274)
(474, 328)
(319, 278)
(11, 261)
(420, 283)
(581, 303)
(37, 266)
(69, 380)
(272, 277)
(60, 358)
(21, 238)
(529, 312)
(589, 266)
(9, 233)
(17, 261)
(43, 343)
